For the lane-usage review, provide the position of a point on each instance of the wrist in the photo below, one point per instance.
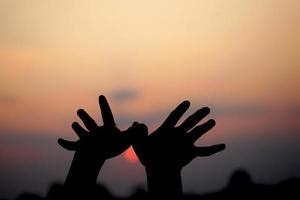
(164, 182)
(83, 171)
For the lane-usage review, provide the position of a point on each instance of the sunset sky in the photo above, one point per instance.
(240, 58)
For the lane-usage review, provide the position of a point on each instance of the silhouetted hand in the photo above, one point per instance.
(95, 145)
(169, 148)
(102, 142)
(173, 147)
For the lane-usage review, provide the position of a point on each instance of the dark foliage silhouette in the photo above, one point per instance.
(240, 186)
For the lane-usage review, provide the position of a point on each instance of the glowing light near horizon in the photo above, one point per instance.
(130, 156)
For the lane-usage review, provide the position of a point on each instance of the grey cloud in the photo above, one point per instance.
(239, 109)
(123, 95)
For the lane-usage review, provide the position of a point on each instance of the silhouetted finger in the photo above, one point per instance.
(69, 145)
(89, 123)
(192, 120)
(210, 150)
(79, 130)
(196, 132)
(176, 114)
(136, 132)
(107, 116)
(139, 148)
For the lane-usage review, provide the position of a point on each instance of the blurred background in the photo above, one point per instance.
(240, 58)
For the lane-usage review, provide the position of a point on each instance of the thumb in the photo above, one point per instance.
(136, 133)
(69, 145)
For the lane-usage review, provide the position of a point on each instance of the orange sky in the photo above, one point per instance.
(58, 54)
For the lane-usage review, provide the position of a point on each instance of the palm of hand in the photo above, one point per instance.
(101, 141)
(163, 150)
(171, 147)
